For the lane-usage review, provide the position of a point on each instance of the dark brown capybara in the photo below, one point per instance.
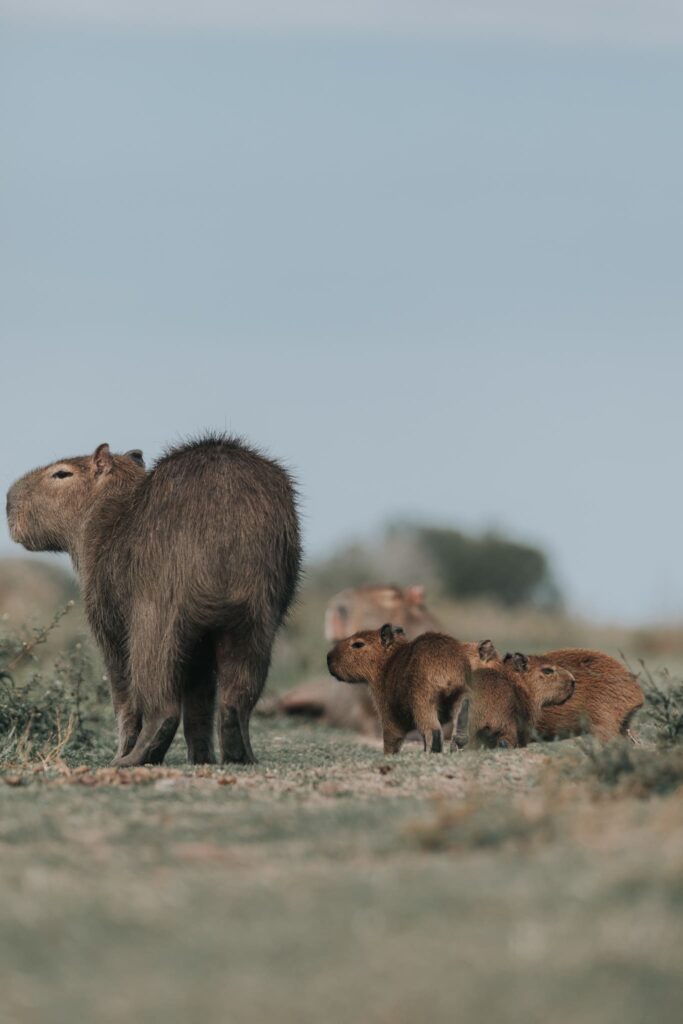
(187, 572)
(348, 612)
(500, 709)
(415, 684)
(605, 699)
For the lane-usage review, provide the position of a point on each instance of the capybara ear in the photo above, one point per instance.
(102, 459)
(136, 455)
(386, 634)
(487, 652)
(399, 630)
(519, 661)
(415, 594)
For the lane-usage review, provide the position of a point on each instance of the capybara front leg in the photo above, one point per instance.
(155, 687)
(241, 678)
(199, 704)
(128, 721)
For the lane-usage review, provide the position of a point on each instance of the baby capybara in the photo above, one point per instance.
(415, 684)
(605, 699)
(187, 572)
(501, 710)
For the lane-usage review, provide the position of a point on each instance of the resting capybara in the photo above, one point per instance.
(187, 572)
(605, 699)
(502, 710)
(368, 607)
(415, 684)
(347, 612)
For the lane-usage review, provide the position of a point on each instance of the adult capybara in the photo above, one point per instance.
(502, 710)
(605, 699)
(415, 684)
(368, 607)
(348, 612)
(187, 572)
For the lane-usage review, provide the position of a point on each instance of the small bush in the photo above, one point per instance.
(664, 704)
(637, 770)
(48, 712)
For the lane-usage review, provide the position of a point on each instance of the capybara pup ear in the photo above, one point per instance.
(487, 652)
(398, 631)
(136, 455)
(386, 635)
(519, 661)
(102, 459)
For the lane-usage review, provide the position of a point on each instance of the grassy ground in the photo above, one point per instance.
(328, 883)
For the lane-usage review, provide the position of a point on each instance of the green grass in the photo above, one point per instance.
(329, 884)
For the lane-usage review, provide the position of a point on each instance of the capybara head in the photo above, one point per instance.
(360, 608)
(46, 507)
(360, 658)
(546, 684)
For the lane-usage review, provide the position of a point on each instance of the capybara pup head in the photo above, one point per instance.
(46, 507)
(360, 658)
(546, 684)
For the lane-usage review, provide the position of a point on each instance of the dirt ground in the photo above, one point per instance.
(328, 883)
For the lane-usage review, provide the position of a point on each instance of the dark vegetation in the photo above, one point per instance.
(460, 566)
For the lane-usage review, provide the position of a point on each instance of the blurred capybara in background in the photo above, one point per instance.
(368, 607)
(501, 710)
(348, 612)
(187, 572)
(605, 699)
(415, 684)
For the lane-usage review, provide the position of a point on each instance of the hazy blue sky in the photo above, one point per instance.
(434, 262)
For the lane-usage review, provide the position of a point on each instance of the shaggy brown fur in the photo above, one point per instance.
(606, 697)
(502, 710)
(414, 684)
(187, 572)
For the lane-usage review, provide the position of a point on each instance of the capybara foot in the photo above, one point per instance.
(433, 741)
(200, 753)
(235, 745)
(153, 742)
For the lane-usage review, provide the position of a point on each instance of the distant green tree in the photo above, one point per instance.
(489, 566)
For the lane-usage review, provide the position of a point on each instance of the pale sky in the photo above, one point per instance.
(429, 254)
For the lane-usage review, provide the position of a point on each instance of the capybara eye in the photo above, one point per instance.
(61, 473)
(357, 644)
(548, 671)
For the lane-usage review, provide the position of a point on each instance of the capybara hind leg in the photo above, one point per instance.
(242, 671)
(199, 704)
(393, 741)
(433, 741)
(432, 737)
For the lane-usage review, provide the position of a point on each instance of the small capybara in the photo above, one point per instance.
(605, 699)
(348, 612)
(187, 572)
(415, 684)
(502, 710)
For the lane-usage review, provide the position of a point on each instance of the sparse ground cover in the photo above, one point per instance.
(328, 883)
